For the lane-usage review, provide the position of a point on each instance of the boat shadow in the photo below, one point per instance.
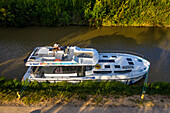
(149, 46)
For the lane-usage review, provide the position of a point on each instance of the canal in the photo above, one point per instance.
(153, 43)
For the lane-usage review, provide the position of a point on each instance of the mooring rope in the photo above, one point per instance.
(26, 82)
(145, 85)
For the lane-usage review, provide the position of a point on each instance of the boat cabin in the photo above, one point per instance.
(67, 56)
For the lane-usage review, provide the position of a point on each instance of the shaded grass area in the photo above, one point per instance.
(37, 92)
(88, 12)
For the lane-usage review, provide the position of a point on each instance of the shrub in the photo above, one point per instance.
(93, 12)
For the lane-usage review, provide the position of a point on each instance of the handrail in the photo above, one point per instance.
(121, 51)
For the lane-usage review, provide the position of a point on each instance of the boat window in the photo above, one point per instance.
(129, 59)
(105, 56)
(48, 70)
(131, 63)
(114, 56)
(139, 60)
(58, 70)
(89, 68)
(40, 67)
(107, 66)
(84, 55)
(34, 68)
(126, 67)
(81, 71)
(123, 71)
(106, 60)
(62, 69)
(117, 66)
(102, 72)
(65, 69)
(33, 58)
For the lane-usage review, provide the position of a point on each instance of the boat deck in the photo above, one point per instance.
(66, 56)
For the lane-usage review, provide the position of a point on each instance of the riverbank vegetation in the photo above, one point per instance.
(36, 92)
(85, 12)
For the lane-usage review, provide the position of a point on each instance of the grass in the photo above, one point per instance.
(36, 92)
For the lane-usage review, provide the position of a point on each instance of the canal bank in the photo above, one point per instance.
(12, 92)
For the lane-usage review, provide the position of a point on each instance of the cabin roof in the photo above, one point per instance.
(47, 56)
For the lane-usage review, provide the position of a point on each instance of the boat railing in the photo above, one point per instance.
(121, 51)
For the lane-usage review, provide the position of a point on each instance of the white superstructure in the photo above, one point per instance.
(77, 64)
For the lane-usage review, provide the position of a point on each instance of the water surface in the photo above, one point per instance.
(153, 43)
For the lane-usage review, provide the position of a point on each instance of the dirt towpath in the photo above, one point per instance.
(73, 109)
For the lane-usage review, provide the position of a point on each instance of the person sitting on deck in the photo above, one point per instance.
(66, 50)
(56, 48)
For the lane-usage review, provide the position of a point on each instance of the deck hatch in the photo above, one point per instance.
(106, 60)
(102, 72)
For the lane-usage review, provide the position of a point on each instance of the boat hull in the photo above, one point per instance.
(122, 78)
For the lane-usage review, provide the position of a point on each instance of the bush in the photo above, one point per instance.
(95, 13)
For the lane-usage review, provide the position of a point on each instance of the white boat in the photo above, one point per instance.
(76, 64)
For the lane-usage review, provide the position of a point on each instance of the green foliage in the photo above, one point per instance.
(159, 87)
(36, 92)
(82, 97)
(40, 12)
(2, 79)
(93, 12)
